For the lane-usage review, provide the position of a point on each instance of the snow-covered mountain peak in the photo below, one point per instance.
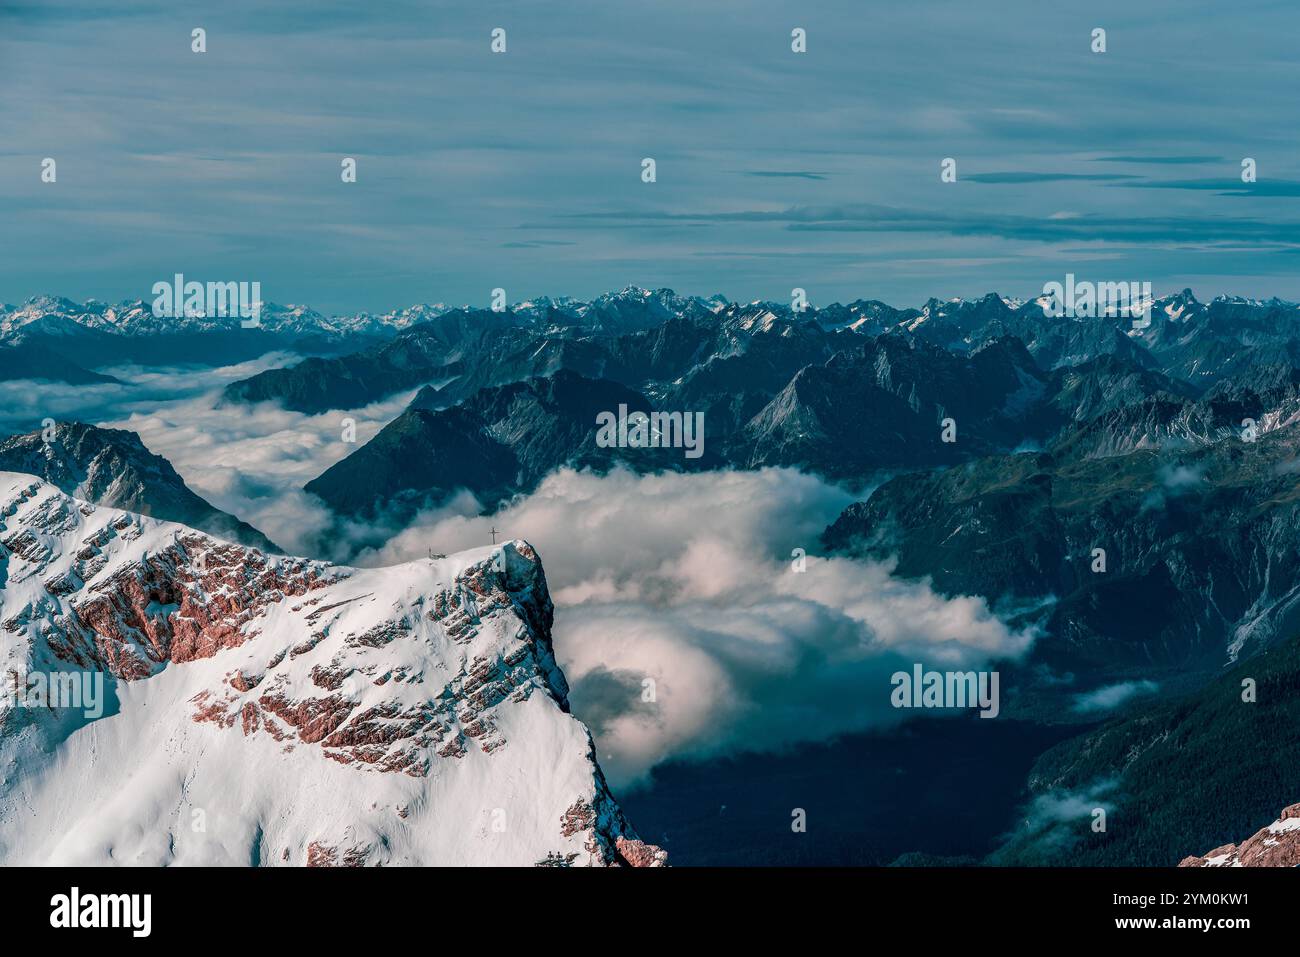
(266, 709)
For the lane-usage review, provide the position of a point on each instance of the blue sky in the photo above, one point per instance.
(522, 170)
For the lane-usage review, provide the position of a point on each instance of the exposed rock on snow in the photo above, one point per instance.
(269, 710)
(112, 467)
(1277, 845)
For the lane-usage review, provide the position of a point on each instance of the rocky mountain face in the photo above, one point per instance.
(884, 404)
(1277, 845)
(66, 336)
(112, 467)
(240, 708)
(1145, 563)
(1109, 383)
(879, 405)
(34, 360)
(502, 440)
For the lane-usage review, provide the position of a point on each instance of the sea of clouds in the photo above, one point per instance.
(682, 625)
(688, 580)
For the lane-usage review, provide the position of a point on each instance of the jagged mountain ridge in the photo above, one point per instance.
(877, 405)
(849, 391)
(1189, 340)
(112, 467)
(56, 338)
(501, 441)
(1276, 845)
(466, 350)
(274, 710)
(59, 317)
(1199, 564)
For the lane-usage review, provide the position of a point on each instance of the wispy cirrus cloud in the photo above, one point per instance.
(785, 174)
(1159, 160)
(1020, 177)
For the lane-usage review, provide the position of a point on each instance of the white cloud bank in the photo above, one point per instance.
(1108, 697)
(687, 580)
(253, 460)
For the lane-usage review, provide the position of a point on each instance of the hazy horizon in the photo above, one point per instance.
(522, 169)
(484, 303)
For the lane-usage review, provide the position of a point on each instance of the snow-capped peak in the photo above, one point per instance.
(272, 710)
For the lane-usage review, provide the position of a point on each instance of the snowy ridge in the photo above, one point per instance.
(1277, 845)
(267, 710)
(56, 316)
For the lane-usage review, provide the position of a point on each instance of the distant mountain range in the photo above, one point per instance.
(1197, 341)
(642, 338)
(50, 337)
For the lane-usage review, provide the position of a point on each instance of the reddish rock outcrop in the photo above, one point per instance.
(172, 608)
(320, 854)
(640, 854)
(1277, 845)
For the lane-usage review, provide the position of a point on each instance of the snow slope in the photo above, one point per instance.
(271, 710)
(1277, 845)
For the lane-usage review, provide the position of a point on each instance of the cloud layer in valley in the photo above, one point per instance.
(252, 461)
(248, 460)
(24, 403)
(688, 582)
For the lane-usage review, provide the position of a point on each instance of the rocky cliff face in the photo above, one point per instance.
(1277, 845)
(112, 467)
(502, 440)
(1199, 563)
(257, 709)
